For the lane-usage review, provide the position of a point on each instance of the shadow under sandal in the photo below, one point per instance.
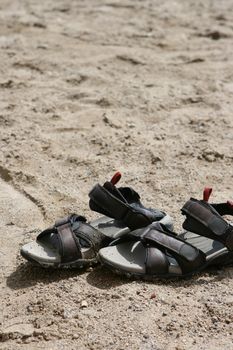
(155, 251)
(72, 242)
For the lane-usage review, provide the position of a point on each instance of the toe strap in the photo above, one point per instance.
(69, 247)
(69, 235)
(188, 257)
(156, 262)
(160, 242)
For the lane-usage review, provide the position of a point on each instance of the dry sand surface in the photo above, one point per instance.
(87, 88)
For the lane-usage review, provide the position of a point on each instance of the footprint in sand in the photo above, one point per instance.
(18, 214)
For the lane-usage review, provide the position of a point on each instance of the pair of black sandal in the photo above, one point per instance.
(136, 241)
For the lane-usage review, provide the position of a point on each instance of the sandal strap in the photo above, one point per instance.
(158, 236)
(204, 219)
(95, 238)
(69, 247)
(112, 202)
(156, 261)
(188, 257)
(69, 219)
(223, 208)
(70, 230)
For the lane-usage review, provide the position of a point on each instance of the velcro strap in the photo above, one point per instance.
(69, 247)
(105, 200)
(70, 240)
(172, 244)
(91, 235)
(213, 221)
(188, 257)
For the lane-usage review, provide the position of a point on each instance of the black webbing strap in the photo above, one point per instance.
(71, 234)
(70, 250)
(215, 227)
(73, 229)
(91, 235)
(115, 208)
(188, 257)
(171, 243)
(69, 247)
(205, 216)
(105, 200)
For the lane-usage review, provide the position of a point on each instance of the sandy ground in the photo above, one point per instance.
(87, 88)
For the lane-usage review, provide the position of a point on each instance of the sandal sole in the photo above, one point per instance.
(133, 275)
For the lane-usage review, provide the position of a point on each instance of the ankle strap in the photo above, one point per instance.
(203, 219)
(105, 202)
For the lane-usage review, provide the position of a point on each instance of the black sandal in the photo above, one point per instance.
(72, 242)
(155, 251)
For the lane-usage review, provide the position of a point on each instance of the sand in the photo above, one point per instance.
(88, 88)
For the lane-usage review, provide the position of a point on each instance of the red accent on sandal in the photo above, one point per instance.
(206, 193)
(230, 203)
(116, 178)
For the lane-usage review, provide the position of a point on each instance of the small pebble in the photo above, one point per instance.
(84, 304)
(153, 296)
